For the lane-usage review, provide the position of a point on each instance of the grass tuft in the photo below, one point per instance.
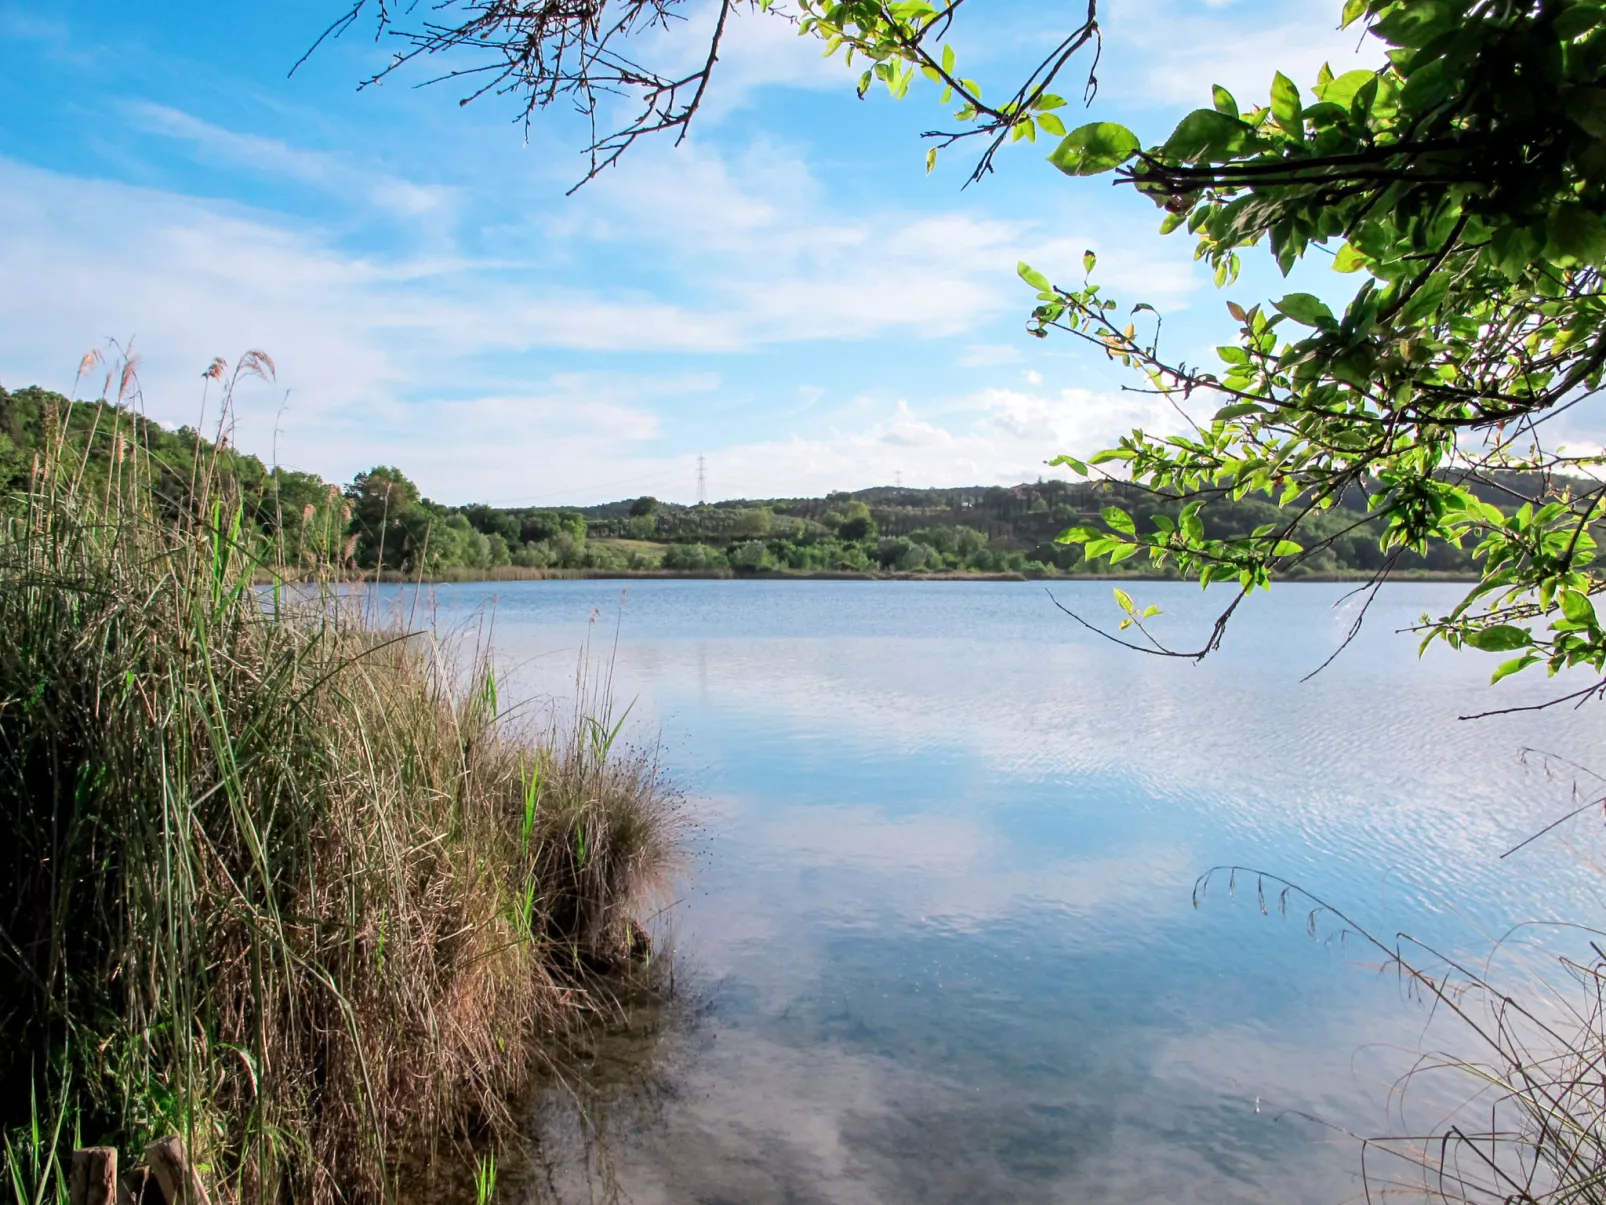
(270, 877)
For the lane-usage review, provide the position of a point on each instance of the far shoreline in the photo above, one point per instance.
(504, 574)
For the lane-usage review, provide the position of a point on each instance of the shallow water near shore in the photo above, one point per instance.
(938, 933)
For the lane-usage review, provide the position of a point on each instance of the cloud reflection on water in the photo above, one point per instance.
(942, 914)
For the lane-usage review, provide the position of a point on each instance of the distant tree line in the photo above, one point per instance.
(381, 521)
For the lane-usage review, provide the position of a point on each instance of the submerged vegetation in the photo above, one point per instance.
(281, 881)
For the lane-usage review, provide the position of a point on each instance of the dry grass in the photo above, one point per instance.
(270, 877)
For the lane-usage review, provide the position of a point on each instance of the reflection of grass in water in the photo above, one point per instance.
(613, 1080)
(1527, 1069)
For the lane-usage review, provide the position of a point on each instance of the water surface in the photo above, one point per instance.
(940, 920)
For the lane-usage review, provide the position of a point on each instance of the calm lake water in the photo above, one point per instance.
(939, 927)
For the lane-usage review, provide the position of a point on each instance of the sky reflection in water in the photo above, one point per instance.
(941, 910)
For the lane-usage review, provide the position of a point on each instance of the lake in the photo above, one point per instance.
(938, 931)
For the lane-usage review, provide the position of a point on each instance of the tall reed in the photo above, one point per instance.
(271, 877)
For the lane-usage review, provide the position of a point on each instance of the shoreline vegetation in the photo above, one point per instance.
(289, 884)
(512, 573)
(379, 527)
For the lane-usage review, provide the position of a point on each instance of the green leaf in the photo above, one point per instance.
(1342, 90)
(1094, 148)
(1051, 124)
(1078, 535)
(1223, 100)
(1286, 106)
(1307, 310)
(1515, 665)
(1500, 638)
(1576, 235)
(1578, 19)
(1071, 463)
(1239, 409)
(1206, 134)
(1093, 549)
(1118, 520)
(948, 59)
(1088, 260)
(1575, 605)
(1348, 259)
(1034, 278)
(1287, 548)
(1124, 600)
(1430, 84)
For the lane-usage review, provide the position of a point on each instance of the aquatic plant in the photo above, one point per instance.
(1523, 1060)
(274, 877)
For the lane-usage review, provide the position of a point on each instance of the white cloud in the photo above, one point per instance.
(1166, 51)
(116, 257)
(334, 173)
(759, 50)
(756, 235)
(589, 439)
(996, 436)
(389, 355)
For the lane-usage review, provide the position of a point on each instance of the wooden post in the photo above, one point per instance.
(170, 1164)
(93, 1179)
(133, 1186)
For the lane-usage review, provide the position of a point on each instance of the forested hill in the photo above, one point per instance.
(380, 521)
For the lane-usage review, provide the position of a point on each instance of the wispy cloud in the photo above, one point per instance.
(49, 35)
(272, 156)
(988, 355)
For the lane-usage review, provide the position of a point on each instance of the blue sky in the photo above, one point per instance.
(787, 293)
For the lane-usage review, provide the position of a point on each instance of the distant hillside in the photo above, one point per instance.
(379, 521)
(983, 529)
